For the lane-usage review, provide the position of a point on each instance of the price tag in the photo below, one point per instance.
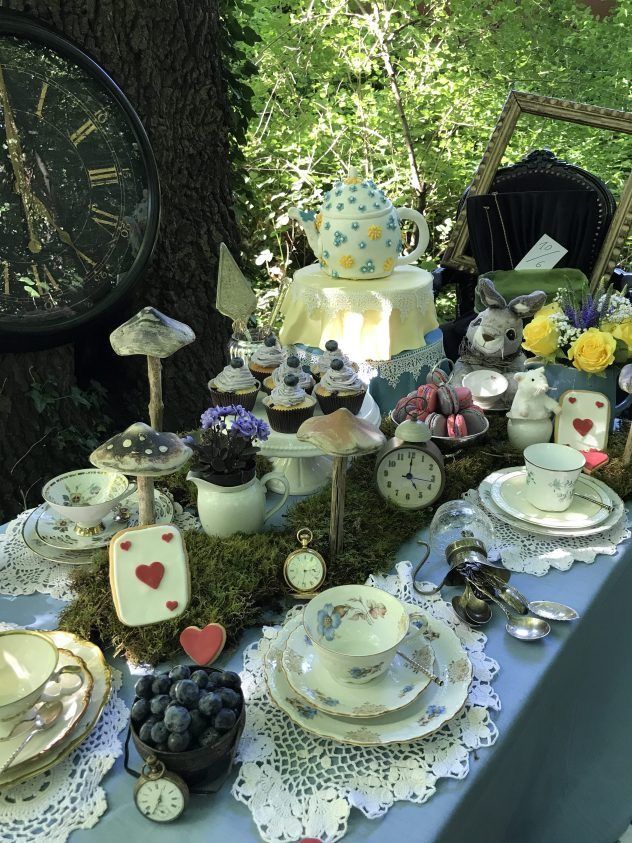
(544, 255)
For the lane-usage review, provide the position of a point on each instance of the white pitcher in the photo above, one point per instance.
(225, 510)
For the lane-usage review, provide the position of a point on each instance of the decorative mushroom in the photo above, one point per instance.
(341, 435)
(145, 453)
(156, 336)
(625, 384)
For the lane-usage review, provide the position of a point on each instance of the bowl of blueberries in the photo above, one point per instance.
(190, 718)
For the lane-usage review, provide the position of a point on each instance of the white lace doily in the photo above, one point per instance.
(534, 554)
(52, 805)
(298, 785)
(24, 572)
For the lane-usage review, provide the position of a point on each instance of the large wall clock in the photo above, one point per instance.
(79, 190)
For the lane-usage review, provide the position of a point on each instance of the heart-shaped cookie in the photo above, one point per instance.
(572, 399)
(599, 404)
(203, 645)
(582, 426)
(125, 545)
(172, 604)
(152, 574)
(166, 537)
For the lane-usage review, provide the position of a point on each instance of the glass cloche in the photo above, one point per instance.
(461, 529)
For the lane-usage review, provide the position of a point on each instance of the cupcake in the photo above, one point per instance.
(266, 358)
(292, 366)
(288, 406)
(332, 352)
(340, 387)
(234, 385)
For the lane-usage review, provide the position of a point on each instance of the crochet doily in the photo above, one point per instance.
(55, 803)
(534, 554)
(23, 572)
(298, 785)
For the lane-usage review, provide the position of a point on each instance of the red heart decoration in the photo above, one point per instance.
(582, 426)
(152, 574)
(125, 545)
(599, 404)
(203, 645)
(572, 400)
(594, 459)
(171, 605)
(166, 537)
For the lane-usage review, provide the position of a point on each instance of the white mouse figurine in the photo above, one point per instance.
(531, 400)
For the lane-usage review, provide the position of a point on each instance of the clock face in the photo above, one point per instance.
(304, 571)
(160, 800)
(78, 192)
(409, 478)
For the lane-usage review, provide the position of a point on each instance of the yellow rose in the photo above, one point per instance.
(549, 310)
(621, 331)
(540, 336)
(593, 351)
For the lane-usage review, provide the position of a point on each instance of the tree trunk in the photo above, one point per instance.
(165, 57)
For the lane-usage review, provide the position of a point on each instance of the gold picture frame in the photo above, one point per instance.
(516, 104)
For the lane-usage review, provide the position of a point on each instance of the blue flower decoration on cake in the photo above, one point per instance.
(327, 226)
(355, 226)
(361, 207)
(325, 254)
(307, 215)
(351, 200)
(362, 244)
(369, 266)
(340, 206)
(392, 223)
(339, 238)
(389, 242)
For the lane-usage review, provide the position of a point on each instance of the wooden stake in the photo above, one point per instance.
(145, 491)
(336, 522)
(627, 453)
(156, 407)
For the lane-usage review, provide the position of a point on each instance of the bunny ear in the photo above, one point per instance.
(524, 306)
(489, 294)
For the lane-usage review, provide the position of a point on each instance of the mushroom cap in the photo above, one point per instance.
(625, 378)
(142, 452)
(150, 333)
(341, 434)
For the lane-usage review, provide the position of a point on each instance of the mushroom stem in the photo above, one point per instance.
(156, 407)
(627, 453)
(145, 488)
(336, 522)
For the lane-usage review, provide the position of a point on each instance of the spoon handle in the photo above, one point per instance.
(420, 667)
(17, 751)
(607, 506)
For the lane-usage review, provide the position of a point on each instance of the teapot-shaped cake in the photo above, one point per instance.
(356, 233)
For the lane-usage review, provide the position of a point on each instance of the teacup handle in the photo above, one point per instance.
(423, 235)
(71, 669)
(131, 488)
(273, 475)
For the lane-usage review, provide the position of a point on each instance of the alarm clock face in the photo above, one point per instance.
(160, 800)
(304, 571)
(409, 478)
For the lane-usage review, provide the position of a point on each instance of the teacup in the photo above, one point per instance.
(552, 472)
(86, 496)
(28, 662)
(487, 387)
(356, 630)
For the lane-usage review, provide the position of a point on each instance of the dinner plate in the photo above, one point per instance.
(100, 672)
(394, 689)
(429, 712)
(73, 706)
(509, 494)
(485, 494)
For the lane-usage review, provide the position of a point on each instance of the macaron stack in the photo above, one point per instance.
(447, 410)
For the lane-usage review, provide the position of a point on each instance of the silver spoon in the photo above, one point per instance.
(475, 608)
(15, 726)
(522, 627)
(44, 719)
(420, 667)
(553, 611)
(461, 614)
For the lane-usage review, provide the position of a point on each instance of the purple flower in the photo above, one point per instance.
(244, 426)
(589, 314)
(263, 431)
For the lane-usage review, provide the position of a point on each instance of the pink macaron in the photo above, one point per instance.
(448, 399)
(457, 427)
(465, 397)
(427, 393)
(437, 424)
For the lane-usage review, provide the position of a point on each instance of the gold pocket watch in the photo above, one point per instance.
(159, 795)
(304, 570)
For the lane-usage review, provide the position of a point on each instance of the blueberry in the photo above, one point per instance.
(179, 741)
(290, 380)
(225, 719)
(144, 733)
(140, 711)
(200, 677)
(177, 718)
(211, 703)
(215, 680)
(187, 692)
(231, 680)
(172, 691)
(143, 686)
(180, 671)
(337, 364)
(209, 737)
(331, 345)
(198, 724)
(159, 733)
(270, 341)
(230, 698)
(162, 747)
(159, 704)
(160, 685)
(236, 362)
(293, 362)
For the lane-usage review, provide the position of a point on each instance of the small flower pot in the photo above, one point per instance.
(524, 432)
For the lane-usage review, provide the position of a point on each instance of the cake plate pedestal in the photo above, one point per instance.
(307, 469)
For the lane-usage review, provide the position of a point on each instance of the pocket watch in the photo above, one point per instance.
(304, 569)
(159, 795)
(409, 470)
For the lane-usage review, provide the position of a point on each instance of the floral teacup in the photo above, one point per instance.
(552, 472)
(356, 630)
(86, 496)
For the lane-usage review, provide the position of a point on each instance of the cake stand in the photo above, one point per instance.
(306, 467)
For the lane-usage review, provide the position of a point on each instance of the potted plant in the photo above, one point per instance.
(231, 498)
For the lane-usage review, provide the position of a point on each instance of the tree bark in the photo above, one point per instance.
(156, 407)
(165, 57)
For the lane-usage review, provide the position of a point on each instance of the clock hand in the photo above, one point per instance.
(63, 235)
(410, 477)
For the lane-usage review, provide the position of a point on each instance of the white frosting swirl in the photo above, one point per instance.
(345, 380)
(232, 380)
(267, 356)
(288, 396)
(305, 380)
(324, 361)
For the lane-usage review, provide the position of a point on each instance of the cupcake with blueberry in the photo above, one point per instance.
(288, 405)
(339, 387)
(292, 366)
(267, 358)
(234, 385)
(332, 352)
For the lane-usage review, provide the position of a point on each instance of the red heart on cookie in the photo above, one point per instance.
(125, 545)
(572, 400)
(203, 645)
(582, 426)
(152, 574)
(171, 605)
(599, 404)
(166, 537)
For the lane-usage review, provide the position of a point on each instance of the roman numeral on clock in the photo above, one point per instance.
(104, 218)
(103, 175)
(82, 132)
(42, 97)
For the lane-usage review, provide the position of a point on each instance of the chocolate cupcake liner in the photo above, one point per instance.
(224, 399)
(288, 421)
(331, 403)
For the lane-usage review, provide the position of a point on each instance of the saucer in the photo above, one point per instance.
(394, 689)
(74, 705)
(429, 712)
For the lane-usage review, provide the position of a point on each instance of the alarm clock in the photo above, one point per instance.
(159, 795)
(409, 471)
(304, 569)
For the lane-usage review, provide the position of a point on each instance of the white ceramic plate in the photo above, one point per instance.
(100, 672)
(509, 494)
(485, 493)
(74, 705)
(428, 713)
(394, 689)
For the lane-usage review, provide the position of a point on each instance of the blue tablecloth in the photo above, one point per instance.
(560, 772)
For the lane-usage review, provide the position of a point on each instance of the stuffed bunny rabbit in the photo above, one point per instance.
(494, 337)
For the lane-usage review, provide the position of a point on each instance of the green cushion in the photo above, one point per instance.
(519, 282)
